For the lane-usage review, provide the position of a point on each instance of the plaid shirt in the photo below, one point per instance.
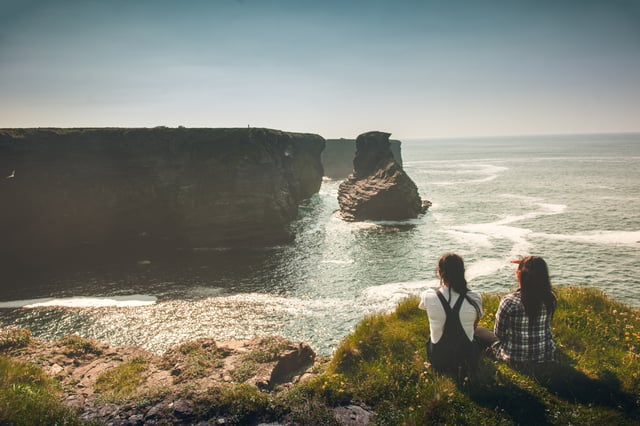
(521, 339)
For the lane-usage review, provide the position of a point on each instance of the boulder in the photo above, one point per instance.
(378, 188)
(293, 360)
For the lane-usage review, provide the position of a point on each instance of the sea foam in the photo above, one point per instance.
(625, 238)
(133, 300)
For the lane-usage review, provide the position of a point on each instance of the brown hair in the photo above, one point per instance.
(535, 286)
(451, 271)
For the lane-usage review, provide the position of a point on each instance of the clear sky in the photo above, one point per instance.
(430, 68)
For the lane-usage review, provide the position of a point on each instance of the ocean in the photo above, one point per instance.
(574, 200)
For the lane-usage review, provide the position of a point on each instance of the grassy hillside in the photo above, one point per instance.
(596, 378)
(380, 366)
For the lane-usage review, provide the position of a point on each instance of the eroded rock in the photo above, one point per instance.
(172, 382)
(378, 188)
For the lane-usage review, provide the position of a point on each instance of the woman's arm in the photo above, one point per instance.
(501, 328)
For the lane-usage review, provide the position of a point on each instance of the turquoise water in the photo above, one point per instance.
(575, 200)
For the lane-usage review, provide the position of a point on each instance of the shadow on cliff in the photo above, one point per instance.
(497, 391)
(494, 389)
(562, 379)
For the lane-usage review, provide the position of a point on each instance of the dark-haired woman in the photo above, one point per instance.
(523, 319)
(453, 312)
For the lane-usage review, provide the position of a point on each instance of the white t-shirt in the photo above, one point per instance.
(429, 302)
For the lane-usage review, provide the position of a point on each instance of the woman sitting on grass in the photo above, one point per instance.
(523, 320)
(453, 313)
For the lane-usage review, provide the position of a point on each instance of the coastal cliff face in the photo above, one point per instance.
(126, 188)
(378, 188)
(337, 157)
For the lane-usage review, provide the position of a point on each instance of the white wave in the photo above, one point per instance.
(486, 172)
(415, 221)
(625, 238)
(364, 225)
(338, 262)
(134, 300)
(485, 267)
(545, 210)
(494, 230)
(333, 192)
(474, 239)
(480, 234)
(387, 296)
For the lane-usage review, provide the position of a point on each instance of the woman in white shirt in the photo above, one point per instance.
(453, 312)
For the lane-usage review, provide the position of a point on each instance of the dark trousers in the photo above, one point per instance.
(484, 337)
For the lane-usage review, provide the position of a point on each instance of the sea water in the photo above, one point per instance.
(575, 200)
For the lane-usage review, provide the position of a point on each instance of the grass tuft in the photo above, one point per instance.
(121, 383)
(29, 397)
(75, 345)
(14, 338)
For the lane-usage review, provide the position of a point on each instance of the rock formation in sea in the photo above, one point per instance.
(118, 189)
(337, 157)
(378, 188)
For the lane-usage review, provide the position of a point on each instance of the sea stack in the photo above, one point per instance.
(378, 188)
(337, 156)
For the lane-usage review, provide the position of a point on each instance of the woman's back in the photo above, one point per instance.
(436, 312)
(522, 338)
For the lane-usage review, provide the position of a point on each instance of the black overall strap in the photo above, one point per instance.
(445, 304)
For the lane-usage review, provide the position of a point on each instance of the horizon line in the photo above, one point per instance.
(514, 135)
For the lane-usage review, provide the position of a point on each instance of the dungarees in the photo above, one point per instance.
(454, 354)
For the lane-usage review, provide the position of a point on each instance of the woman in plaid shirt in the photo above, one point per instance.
(523, 320)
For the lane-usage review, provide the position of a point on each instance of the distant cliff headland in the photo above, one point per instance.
(128, 188)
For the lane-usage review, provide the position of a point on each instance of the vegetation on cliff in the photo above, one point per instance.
(380, 367)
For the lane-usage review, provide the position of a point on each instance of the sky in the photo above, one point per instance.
(415, 69)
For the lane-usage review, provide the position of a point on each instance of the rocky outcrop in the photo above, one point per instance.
(150, 188)
(175, 388)
(337, 157)
(378, 188)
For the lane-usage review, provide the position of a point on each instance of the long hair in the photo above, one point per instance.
(535, 286)
(451, 271)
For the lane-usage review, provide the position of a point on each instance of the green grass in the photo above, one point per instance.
(596, 378)
(29, 397)
(196, 361)
(14, 338)
(75, 346)
(122, 382)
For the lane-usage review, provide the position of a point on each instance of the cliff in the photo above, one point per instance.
(119, 189)
(338, 155)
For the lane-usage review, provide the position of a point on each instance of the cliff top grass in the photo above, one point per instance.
(380, 366)
(596, 378)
